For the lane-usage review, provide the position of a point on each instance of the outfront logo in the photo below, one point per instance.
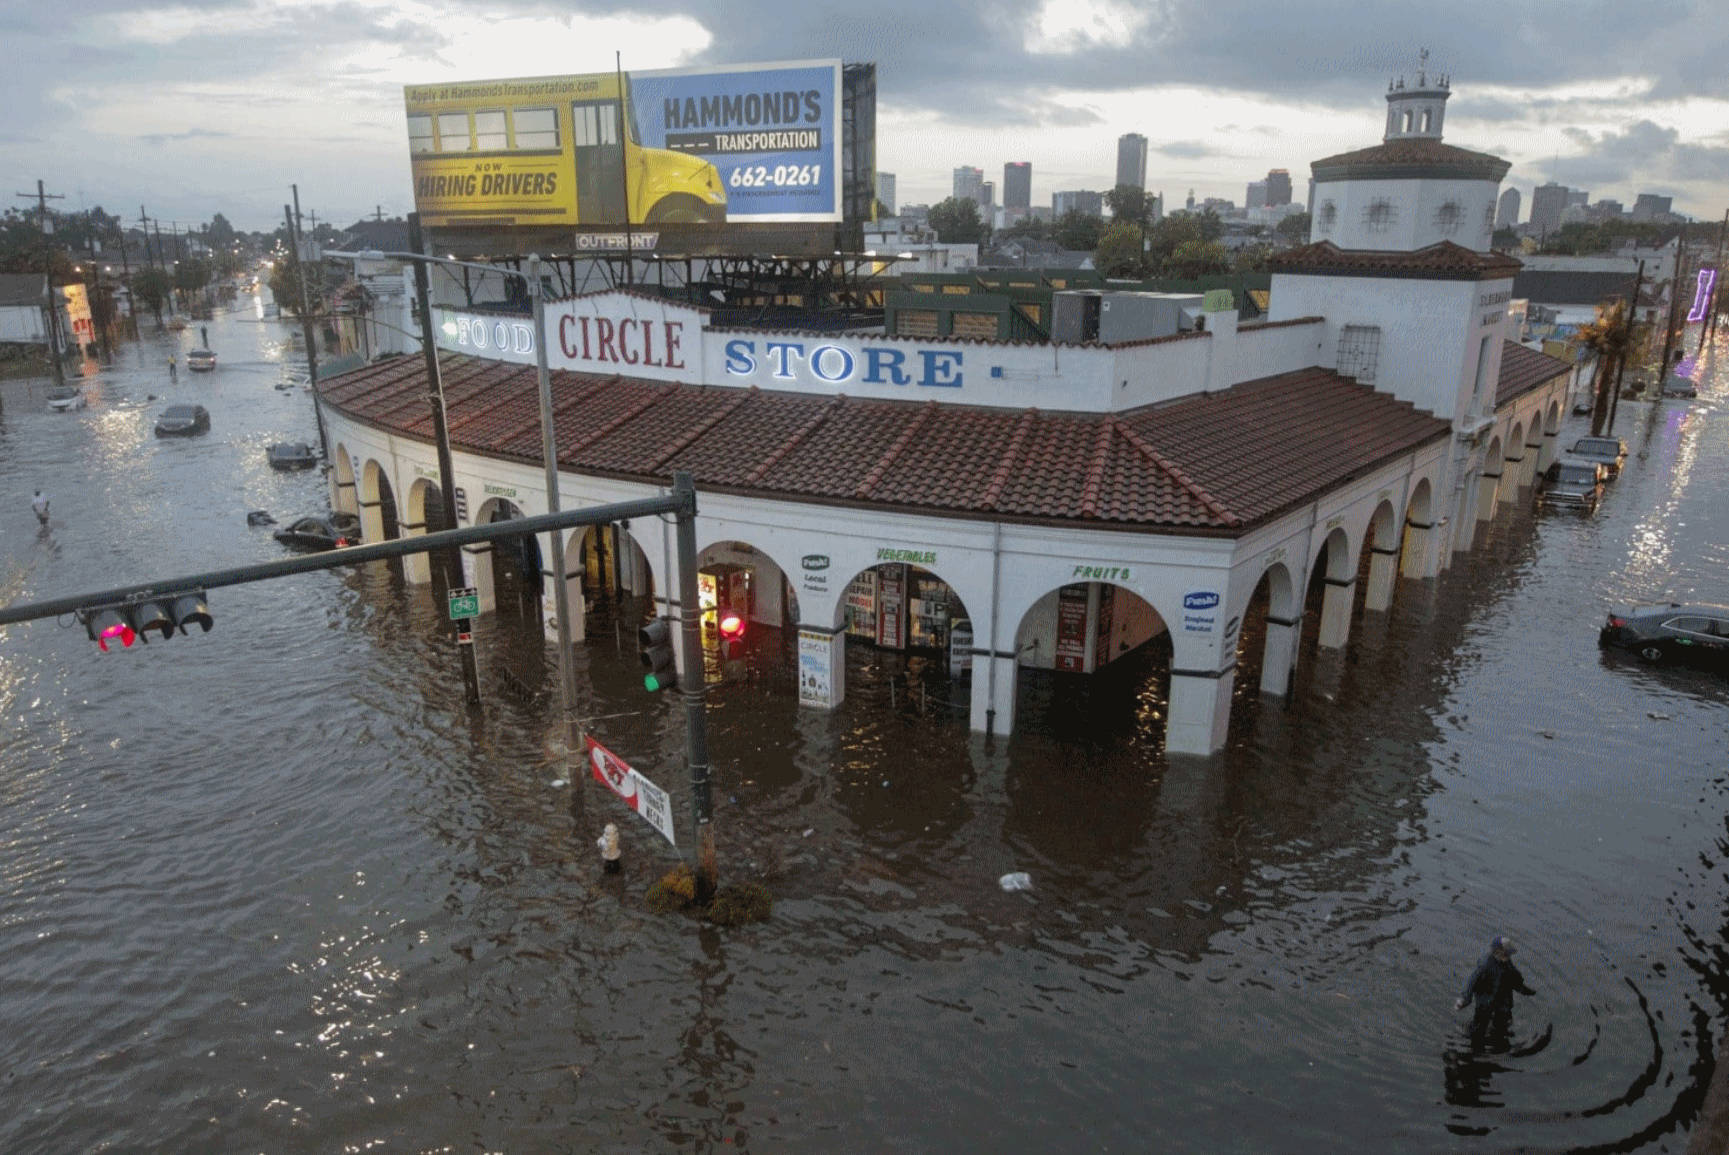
(814, 561)
(1200, 600)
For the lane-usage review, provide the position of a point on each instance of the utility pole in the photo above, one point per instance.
(446, 470)
(299, 275)
(144, 227)
(47, 226)
(1674, 308)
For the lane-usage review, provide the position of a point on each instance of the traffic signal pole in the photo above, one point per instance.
(693, 685)
(351, 555)
(549, 452)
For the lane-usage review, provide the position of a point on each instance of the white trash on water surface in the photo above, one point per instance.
(1018, 880)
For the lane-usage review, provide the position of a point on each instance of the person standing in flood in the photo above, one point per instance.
(1492, 987)
(40, 504)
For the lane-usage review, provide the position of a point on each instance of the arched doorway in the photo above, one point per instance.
(736, 579)
(1332, 590)
(507, 571)
(1267, 635)
(904, 639)
(1489, 481)
(425, 515)
(1094, 665)
(1512, 464)
(378, 515)
(1380, 565)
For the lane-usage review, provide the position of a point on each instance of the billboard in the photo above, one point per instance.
(746, 144)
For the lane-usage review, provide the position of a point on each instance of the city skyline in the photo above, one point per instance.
(220, 105)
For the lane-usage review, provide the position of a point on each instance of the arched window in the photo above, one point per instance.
(1426, 115)
(1407, 120)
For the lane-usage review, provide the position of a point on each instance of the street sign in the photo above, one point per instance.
(464, 603)
(636, 791)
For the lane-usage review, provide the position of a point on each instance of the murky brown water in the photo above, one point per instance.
(269, 888)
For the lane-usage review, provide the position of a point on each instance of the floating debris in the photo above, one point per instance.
(1018, 880)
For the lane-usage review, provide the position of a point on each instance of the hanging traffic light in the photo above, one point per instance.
(109, 624)
(730, 623)
(655, 640)
(133, 621)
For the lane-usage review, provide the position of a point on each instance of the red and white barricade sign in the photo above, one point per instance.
(638, 792)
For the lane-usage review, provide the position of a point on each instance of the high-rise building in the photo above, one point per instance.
(969, 182)
(1087, 202)
(1580, 197)
(1548, 202)
(1278, 187)
(1018, 184)
(1132, 160)
(1256, 197)
(886, 192)
(1507, 210)
(1650, 206)
(988, 194)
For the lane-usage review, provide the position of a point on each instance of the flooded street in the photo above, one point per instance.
(270, 888)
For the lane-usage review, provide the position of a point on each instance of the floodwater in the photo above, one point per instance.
(271, 889)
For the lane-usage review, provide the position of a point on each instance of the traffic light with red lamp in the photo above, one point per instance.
(730, 623)
(133, 620)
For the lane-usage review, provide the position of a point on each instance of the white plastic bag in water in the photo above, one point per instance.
(1019, 880)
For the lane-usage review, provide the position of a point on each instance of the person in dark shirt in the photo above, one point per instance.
(1492, 987)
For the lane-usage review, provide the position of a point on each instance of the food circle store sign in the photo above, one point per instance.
(625, 334)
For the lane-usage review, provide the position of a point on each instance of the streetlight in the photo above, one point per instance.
(566, 675)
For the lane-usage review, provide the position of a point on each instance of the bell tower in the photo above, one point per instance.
(1416, 113)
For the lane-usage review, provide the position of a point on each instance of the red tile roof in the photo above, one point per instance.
(1523, 370)
(1411, 158)
(1443, 260)
(1209, 463)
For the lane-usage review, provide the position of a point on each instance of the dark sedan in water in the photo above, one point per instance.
(182, 421)
(329, 531)
(1695, 635)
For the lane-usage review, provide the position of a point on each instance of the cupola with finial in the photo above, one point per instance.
(1416, 113)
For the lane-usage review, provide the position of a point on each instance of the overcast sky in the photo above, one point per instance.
(219, 105)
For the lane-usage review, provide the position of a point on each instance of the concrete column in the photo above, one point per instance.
(821, 666)
(1511, 470)
(477, 574)
(1418, 558)
(1465, 522)
(372, 522)
(416, 567)
(1488, 486)
(343, 498)
(1336, 612)
(1279, 662)
(1200, 710)
(1383, 569)
(1551, 450)
(1528, 476)
(993, 708)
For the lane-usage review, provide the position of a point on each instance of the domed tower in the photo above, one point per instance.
(1400, 265)
(1411, 190)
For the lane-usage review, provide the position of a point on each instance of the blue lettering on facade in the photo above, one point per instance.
(876, 360)
(785, 349)
(941, 368)
(837, 364)
(739, 359)
(845, 358)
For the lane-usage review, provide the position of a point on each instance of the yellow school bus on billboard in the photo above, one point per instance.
(550, 150)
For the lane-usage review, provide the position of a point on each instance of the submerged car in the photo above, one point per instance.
(325, 531)
(1691, 634)
(1573, 482)
(64, 399)
(201, 360)
(182, 421)
(286, 455)
(1611, 451)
